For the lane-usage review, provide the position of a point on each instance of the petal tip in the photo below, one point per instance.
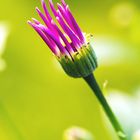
(37, 9)
(63, 2)
(43, 3)
(35, 21)
(29, 22)
(50, 1)
(58, 4)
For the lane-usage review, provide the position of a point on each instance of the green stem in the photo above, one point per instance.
(96, 89)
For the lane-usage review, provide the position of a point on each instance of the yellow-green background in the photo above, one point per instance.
(38, 101)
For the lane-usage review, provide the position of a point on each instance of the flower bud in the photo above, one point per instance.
(69, 44)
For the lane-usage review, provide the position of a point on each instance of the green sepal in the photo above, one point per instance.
(81, 63)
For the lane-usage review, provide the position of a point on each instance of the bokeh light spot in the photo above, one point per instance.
(122, 14)
(4, 32)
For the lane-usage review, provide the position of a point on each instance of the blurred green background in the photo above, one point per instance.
(38, 101)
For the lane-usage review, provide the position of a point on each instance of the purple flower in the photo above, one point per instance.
(67, 42)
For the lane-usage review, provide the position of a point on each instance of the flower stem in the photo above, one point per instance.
(96, 89)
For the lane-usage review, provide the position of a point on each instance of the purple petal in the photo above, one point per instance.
(68, 46)
(54, 49)
(42, 17)
(36, 21)
(55, 39)
(65, 16)
(70, 33)
(63, 3)
(52, 7)
(47, 23)
(46, 10)
(77, 28)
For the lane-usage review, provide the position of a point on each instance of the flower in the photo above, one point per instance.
(74, 51)
(77, 133)
(71, 47)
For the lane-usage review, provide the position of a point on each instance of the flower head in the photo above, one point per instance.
(67, 42)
